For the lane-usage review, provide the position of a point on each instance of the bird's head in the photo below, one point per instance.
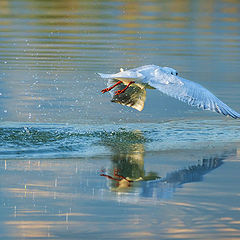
(170, 70)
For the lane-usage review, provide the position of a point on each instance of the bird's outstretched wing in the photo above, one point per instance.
(134, 96)
(122, 76)
(190, 92)
(162, 79)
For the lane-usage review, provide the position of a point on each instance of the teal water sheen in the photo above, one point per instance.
(81, 141)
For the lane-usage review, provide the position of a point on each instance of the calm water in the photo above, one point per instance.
(59, 134)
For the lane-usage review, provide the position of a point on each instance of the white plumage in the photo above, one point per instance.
(166, 80)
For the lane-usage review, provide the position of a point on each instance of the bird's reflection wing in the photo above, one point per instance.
(134, 96)
(190, 92)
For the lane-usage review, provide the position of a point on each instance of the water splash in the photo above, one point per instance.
(56, 141)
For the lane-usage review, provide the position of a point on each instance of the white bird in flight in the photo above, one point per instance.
(130, 86)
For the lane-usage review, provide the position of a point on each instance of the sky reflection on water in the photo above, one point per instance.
(69, 198)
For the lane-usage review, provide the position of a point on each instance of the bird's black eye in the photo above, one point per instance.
(172, 73)
(176, 74)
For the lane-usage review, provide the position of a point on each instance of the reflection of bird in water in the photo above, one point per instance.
(126, 182)
(127, 159)
(130, 86)
(164, 187)
(128, 173)
(121, 180)
(128, 162)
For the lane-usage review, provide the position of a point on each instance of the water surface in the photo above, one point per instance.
(59, 134)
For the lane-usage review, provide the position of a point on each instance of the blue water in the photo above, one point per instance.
(81, 141)
(74, 165)
(184, 194)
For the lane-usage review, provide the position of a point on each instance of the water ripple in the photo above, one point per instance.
(54, 141)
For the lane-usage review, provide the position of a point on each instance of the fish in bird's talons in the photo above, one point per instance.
(123, 90)
(110, 88)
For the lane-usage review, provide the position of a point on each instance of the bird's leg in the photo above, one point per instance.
(124, 89)
(115, 172)
(110, 88)
(110, 177)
